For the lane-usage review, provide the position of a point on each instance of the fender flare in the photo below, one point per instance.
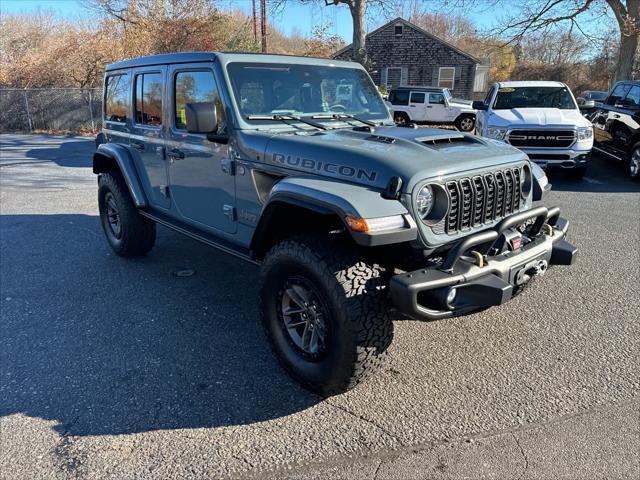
(122, 157)
(327, 196)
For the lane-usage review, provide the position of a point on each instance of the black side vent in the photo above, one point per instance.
(446, 141)
(381, 139)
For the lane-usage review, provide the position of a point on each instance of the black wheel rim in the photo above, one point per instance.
(113, 215)
(303, 316)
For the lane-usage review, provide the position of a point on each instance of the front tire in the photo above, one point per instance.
(401, 118)
(129, 234)
(325, 313)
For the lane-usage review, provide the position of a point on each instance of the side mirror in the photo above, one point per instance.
(479, 105)
(203, 118)
(586, 104)
(580, 101)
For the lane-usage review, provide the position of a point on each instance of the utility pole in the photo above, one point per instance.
(263, 24)
(255, 23)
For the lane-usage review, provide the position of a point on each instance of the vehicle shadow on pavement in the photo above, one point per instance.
(63, 150)
(103, 345)
(603, 175)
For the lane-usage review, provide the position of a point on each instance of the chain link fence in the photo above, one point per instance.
(51, 109)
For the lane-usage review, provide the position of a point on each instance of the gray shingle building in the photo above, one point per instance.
(403, 54)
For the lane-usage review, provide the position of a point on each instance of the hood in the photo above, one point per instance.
(543, 117)
(373, 158)
(460, 101)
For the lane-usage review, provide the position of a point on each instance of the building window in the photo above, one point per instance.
(446, 77)
(398, 30)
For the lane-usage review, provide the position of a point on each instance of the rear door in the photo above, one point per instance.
(437, 108)
(200, 172)
(147, 142)
(417, 104)
(606, 120)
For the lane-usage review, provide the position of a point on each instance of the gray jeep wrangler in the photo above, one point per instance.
(272, 159)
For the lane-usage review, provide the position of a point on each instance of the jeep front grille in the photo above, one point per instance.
(481, 199)
(541, 138)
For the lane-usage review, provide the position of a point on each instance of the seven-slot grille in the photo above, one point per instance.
(541, 138)
(482, 199)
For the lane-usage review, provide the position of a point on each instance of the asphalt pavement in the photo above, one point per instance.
(116, 368)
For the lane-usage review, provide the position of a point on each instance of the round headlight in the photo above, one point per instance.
(424, 201)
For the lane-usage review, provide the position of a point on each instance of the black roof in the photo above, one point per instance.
(419, 89)
(183, 57)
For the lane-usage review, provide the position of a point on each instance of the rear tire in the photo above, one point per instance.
(465, 123)
(634, 163)
(401, 118)
(129, 234)
(346, 299)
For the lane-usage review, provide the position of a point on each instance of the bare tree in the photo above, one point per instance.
(543, 15)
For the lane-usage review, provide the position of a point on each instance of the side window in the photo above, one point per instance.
(446, 77)
(436, 99)
(417, 97)
(148, 99)
(633, 97)
(116, 98)
(195, 87)
(399, 97)
(620, 91)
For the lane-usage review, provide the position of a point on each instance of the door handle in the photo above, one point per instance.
(175, 154)
(615, 115)
(429, 106)
(138, 145)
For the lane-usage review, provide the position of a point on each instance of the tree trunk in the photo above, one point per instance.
(628, 49)
(358, 8)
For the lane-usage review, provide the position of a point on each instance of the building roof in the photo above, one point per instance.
(224, 57)
(421, 30)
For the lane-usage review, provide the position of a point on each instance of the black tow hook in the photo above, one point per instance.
(563, 253)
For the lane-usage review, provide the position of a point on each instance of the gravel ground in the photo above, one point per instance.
(114, 368)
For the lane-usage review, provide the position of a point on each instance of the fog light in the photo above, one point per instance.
(451, 296)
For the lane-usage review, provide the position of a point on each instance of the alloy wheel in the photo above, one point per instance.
(634, 164)
(303, 317)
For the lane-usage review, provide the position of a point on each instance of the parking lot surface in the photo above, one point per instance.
(116, 368)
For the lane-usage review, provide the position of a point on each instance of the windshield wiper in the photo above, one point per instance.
(284, 118)
(338, 116)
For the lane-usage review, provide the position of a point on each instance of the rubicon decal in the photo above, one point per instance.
(328, 167)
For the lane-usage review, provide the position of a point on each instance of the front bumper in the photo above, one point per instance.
(558, 157)
(422, 294)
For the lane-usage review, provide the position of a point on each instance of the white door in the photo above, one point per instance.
(437, 110)
(417, 106)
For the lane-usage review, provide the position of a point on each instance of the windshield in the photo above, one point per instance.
(534, 97)
(596, 95)
(447, 93)
(262, 89)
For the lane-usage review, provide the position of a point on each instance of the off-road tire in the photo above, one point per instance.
(138, 234)
(401, 118)
(577, 173)
(634, 172)
(353, 291)
(461, 123)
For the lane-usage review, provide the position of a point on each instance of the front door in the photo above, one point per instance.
(147, 129)
(437, 110)
(202, 184)
(418, 106)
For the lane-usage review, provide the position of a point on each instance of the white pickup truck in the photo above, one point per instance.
(540, 118)
(430, 105)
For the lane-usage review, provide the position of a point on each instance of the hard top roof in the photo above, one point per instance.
(530, 83)
(419, 88)
(224, 58)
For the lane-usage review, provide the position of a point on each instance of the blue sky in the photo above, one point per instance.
(296, 17)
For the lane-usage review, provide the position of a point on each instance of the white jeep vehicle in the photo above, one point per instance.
(540, 118)
(430, 105)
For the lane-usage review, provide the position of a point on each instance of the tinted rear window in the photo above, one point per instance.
(117, 98)
(399, 97)
(149, 99)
